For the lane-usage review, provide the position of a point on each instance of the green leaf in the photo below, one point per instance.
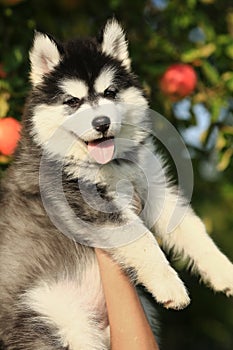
(225, 159)
(229, 51)
(210, 72)
(229, 84)
(216, 104)
(4, 85)
(4, 105)
(227, 129)
(18, 55)
(221, 142)
(191, 3)
(202, 52)
(227, 77)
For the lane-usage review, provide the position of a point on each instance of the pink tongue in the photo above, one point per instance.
(103, 151)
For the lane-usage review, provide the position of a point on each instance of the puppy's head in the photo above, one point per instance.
(85, 98)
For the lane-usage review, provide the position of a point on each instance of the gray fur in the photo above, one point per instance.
(35, 254)
(31, 247)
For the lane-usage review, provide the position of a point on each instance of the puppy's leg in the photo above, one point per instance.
(188, 236)
(153, 270)
(25, 330)
(69, 309)
(49, 330)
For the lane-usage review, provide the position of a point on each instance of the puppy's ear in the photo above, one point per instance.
(44, 56)
(114, 42)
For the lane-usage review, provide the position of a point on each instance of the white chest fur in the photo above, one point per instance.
(72, 305)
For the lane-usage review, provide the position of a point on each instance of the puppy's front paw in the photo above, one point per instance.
(154, 272)
(222, 283)
(168, 289)
(174, 296)
(217, 271)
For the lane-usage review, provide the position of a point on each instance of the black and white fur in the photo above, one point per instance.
(50, 289)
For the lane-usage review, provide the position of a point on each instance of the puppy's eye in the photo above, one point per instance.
(72, 102)
(111, 92)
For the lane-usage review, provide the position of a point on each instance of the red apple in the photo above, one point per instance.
(9, 135)
(178, 81)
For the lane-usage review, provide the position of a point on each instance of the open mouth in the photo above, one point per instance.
(102, 150)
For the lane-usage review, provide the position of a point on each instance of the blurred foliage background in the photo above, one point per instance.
(160, 33)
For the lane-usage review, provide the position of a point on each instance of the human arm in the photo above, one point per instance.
(129, 327)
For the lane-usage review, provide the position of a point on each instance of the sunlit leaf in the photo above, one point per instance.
(4, 105)
(224, 39)
(202, 52)
(225, 160)
(227, 77)
(4, 159)
(200, 97)
(203, 136)
(229, 51)
(229, 84)
(221, 142)
(228, 129)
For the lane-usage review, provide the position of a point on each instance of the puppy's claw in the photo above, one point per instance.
(171, 293)
(171, 304)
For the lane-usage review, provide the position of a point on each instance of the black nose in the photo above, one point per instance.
(101, 123)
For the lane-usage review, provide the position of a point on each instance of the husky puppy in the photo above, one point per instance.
(86, 130)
